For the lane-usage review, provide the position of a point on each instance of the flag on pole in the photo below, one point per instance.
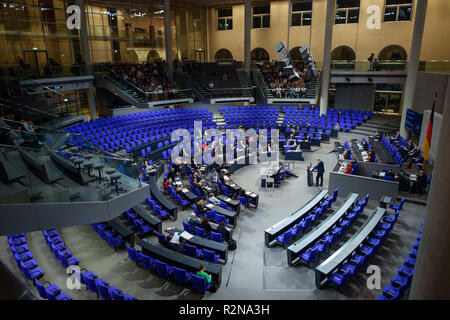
(427, 143)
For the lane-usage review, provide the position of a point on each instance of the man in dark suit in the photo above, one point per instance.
(420, 184)
(320, 169)
(395, 138)
(413, 155)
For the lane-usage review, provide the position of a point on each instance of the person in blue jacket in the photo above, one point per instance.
(320, 169)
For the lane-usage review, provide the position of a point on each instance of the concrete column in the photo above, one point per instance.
(431, 277)
(247, 33)
(86, 53)
(331, 5)
(168, 38)
(413, 66)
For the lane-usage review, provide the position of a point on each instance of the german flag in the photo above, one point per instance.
(427, 143)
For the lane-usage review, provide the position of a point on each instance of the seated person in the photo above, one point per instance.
(413, 155)
(148, 168)
(349, 168)
(365, 145)
(223, 231)
(171, 175)
(307, 138)
(337, 126)
(175, 243)
(378, 135)
(166, 184)
(212, 199)
(404, 151)
(346, 154)
(371, 156)
(395, 138)
(205, 225)
(193, 221)
(419, 185)
(203, 274)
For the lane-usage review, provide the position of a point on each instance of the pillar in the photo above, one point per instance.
(168, 39)
(330, 15)
(247, 34)
(431, 277)
(86, 54)
(413, 66)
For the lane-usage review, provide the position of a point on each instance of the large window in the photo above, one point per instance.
(261, 16)
(398, 10)
(301, 13)
(347, 11)
(225, 18)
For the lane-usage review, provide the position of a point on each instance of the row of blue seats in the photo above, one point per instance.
(101, 287)
(156, 207)
(331, 237)
(58, 248)
(112, 239)
(190, 250)
(304, 224)
(214, 236)
(165, 270)
(366, 251)
(402, 280)
(92, 281)
(31, 270)
(212, 215)
(396, 156)
(369, 146)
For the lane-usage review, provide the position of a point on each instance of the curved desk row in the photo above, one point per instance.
(326, 268)
(220, 248)
(150, 219)
(179, 260)
(294, 250)
(159, 196)
(274, 231)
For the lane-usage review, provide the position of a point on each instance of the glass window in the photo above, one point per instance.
(307, 18)
(296, 19)
(390, 14)
(301, 14)
(340, 17)
(225, 18)
(261, 16)
(398, 10)
(404, 13)
(353, 16)
(347, 11)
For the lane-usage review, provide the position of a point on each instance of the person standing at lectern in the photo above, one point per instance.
(320, 169)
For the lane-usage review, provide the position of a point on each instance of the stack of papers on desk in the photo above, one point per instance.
(186, 235)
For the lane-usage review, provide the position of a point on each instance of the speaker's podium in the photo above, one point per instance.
(309, 176)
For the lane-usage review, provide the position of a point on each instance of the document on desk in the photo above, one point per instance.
(184, 190)
(186, 235)
(227, 199)
(382, 174)
(210, 205)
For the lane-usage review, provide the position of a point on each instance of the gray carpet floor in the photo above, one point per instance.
(253, 271)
